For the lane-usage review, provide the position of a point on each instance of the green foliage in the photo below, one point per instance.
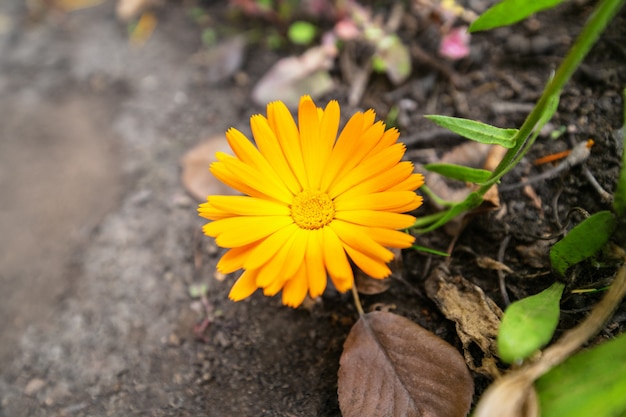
(583, 241)
(302, 33)
(459, 172)
(477, 131)
(528, 324)
(508, 12)
(591, 383)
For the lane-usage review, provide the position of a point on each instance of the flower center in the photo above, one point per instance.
(312, 209)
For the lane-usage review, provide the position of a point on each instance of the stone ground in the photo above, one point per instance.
(99, 241)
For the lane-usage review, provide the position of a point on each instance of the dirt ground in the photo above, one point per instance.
(99, 241)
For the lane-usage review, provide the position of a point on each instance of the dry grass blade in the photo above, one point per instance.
(391, 366)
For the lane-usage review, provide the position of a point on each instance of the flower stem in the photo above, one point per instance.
(357, 301)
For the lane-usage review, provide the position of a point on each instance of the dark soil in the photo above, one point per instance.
(100, 242)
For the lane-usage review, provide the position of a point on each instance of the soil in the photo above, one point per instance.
(100, 242)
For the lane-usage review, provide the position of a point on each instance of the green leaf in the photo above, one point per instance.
(429, 250)
(477, 131)
(459, 172)
(508, 12)
(591, 383)
(583, 241)
(472, 200)
(528, 324)
(301, 33)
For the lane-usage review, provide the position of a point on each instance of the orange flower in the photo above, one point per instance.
(312, 201)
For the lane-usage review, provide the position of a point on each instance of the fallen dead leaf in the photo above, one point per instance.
(129, 9)
(196, 178)
(391, 366)
(292, 77)
(476, 316)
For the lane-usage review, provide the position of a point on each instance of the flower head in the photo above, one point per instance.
(313, 201)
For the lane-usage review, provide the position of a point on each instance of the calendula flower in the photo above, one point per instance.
(312, 201)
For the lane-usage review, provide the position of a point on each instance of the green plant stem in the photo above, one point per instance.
(357, 301)
(587, 38)
(597, 22)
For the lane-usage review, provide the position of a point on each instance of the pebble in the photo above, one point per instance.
(33, 386)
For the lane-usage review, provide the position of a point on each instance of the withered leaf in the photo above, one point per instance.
(476, 316)
(391, 366)
(195, 176)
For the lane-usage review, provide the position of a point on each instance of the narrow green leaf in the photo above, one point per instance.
(477, 131)
(583, 241)
(591, 383)
(528, 324)
(429, 250)
(508, 12)
(459, 172)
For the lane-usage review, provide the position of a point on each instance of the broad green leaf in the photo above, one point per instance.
(583, 241)
(591, 383)
(508, 12)
(528, 324)
(477, 131)
(459, 172)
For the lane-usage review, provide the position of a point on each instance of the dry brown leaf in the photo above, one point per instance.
(292, 77)
(476, 316)
(368, 285)
(391, 366)
(196, 178)
(129, 9)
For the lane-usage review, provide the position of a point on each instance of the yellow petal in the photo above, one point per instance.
(344, 146)
(234, 259)
(314, 259)
(248, 206)
(295, 289)
(389, 138)
(308, 126)
(371, 218)
(269, 147)
(368, 168)
(297, 251)
(391, 238)
(387, 201)
(264, 181)
(366, 142)
(222, 173)
(208, 211)
(413, 182)
(244, 287)
(355, 236)
(283, 125)
(240, 231)
(417, 201)
(336, 260)
(382, 181)
(269, 247)
(372, 267)
(279, 268)
(250, 155)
